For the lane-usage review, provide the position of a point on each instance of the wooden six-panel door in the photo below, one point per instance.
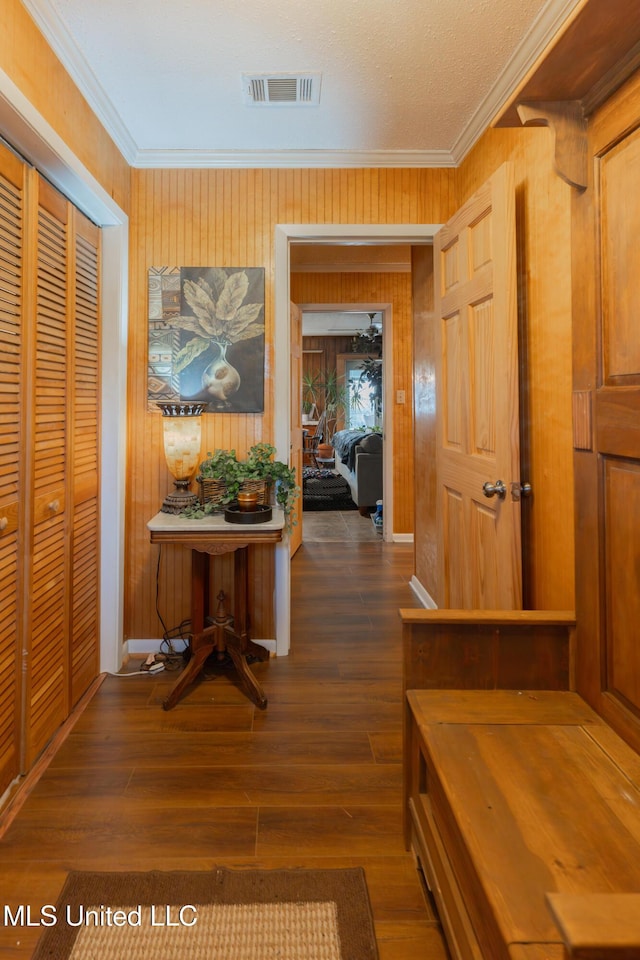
(478, 447)
(606, 415)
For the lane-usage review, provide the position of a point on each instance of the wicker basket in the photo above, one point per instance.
(214, 491)
(261, 487)
(211, 491)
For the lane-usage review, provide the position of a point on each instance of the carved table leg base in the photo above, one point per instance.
(218, 637)
(190, 673)
(251, 686)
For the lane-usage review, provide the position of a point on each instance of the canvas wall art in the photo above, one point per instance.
(206, 337)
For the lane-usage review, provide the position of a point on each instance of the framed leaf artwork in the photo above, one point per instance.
(206, 337)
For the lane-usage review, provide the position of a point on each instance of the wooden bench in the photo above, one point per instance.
(522, 806)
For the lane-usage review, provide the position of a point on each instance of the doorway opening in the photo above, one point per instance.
(286, 235)
(343, 414)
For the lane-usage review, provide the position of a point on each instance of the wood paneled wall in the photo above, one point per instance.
(393, 288)
(227, 218)
(543, 213)
(31, 64)
(327, 360)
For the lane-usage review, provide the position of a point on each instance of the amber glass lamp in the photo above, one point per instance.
(181, 425)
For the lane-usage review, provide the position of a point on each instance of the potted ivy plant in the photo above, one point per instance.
(214, 477)
(229, 474)
(261, 465)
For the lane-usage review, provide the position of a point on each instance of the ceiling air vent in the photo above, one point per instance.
(281, 89)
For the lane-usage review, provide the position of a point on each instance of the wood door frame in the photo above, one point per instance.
(318, 233)
(38, 142)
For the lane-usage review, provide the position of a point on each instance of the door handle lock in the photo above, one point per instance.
(519, 491)
(497, 489)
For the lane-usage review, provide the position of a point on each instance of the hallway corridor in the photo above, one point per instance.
(313, 780)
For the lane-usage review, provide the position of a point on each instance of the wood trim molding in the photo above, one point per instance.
(607, 85)
(567, 121)
(582, 420)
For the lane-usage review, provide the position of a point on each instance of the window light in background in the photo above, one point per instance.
(182, 432)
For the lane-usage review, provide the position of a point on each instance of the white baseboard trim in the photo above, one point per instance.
(423, 595)
(402, 538)
(138, 648)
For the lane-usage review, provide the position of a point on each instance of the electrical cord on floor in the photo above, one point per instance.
(167, 658)
(174, 659)
(171, 658)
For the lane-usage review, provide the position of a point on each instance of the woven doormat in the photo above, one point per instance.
(222, 915)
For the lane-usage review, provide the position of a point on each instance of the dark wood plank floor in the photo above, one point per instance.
(313, 781)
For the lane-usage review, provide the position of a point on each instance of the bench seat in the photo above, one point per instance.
(513, 796)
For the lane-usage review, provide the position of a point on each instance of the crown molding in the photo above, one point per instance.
(65, 48)
(293, 158)
(543, 30)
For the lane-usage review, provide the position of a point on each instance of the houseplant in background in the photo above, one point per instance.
(372, 376)
(335, 400)
(311, 383)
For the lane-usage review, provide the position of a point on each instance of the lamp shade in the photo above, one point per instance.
(181, 426)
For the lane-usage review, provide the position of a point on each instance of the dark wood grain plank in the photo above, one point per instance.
(259, 785)
(312, 781)
(328, 830)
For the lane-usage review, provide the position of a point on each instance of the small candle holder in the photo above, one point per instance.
(247, 500)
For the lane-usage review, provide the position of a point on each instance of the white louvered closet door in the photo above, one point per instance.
(12, 174)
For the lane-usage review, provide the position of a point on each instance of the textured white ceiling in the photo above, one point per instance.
(404, 82)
